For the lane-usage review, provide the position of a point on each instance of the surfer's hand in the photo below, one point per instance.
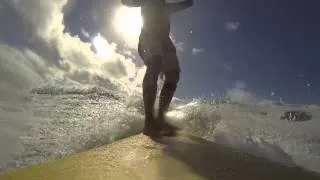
(175, 7)
(189, 3)
(132, 3)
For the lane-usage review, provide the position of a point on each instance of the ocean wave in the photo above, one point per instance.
(256, 129)
(55, 90)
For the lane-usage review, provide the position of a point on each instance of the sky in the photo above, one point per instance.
(268, 48)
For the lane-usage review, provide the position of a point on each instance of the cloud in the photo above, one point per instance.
(240, 94)
(228, 67)
(85, 33)
(70, 58)
(232, 25)
(21, 68)
(196, 51)
(69, 7)
(179, 45)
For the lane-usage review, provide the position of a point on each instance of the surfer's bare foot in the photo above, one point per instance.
(151, 130)
(167, 129)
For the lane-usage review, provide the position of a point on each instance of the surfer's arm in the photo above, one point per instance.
(133, 3)
(175, 7)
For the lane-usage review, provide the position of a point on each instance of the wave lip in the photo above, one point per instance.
(53, 90)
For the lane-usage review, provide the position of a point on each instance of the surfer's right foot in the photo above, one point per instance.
(159, 128)
(151, 130)
(167, 129)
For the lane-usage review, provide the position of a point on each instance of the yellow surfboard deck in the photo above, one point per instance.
(182, 157)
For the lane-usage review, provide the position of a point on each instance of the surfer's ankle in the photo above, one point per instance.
(160, 118)
(151, 130)
(167, 132)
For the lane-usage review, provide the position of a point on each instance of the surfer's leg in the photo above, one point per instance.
(167, 92)
(149, 94)
(171, 69)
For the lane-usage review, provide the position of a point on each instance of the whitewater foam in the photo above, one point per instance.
(65, 124)
(258, 130)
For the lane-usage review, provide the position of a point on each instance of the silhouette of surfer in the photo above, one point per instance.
(159, 55)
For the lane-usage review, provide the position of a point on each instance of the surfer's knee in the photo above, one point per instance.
(153, 65)
(152, 72)
(171, 79)
(172, 76)
(150, 80)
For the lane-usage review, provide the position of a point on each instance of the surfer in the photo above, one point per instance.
(159, 55)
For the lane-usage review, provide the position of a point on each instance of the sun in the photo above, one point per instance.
(128, 23)
(102, 47)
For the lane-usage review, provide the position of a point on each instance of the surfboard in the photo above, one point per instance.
(182, 157)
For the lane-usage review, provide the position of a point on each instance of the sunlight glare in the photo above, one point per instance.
(176, 114)
(128, 22)
(102, 47)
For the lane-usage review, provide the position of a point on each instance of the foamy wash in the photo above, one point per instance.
(63, 124)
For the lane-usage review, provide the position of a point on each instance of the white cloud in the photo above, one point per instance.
(241, 85)
(85, 33)
(232, 26)
(179, 46)
(239, 94)
(272, 93)
(228, 67)
(46, 18)
(196, 51)
(73, 58)
(69, 7)
(128, 53)
(21, 68)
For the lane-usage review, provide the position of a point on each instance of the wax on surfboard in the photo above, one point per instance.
(182, 157)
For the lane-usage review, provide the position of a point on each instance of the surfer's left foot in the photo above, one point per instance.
(151, 129)
(167, 129)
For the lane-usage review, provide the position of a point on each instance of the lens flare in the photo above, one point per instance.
(128, 22)
(103, 49)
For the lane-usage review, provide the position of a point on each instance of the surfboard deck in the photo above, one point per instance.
(182, 157)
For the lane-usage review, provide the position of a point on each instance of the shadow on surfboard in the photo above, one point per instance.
(214, 161)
